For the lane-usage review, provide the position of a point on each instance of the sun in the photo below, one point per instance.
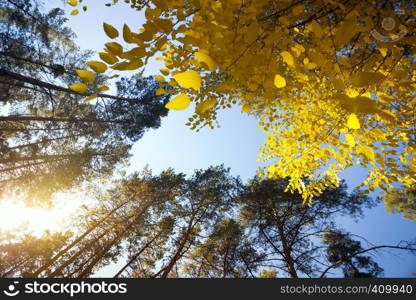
(15, 214)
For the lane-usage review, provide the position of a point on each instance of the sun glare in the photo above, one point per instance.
(14, 215)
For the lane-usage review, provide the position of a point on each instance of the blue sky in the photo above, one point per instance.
(236, 144)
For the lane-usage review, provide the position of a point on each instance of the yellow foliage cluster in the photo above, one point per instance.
(328, 92)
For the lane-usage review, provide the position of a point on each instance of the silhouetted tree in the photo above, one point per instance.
(50, 139)
(205, 225)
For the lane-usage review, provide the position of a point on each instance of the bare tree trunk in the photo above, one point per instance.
(54, 87)
(287, 251)
(12, 269)
(77, 240)
(52, 157)
(43, 141)
(224, 264)
(104, 251)
(178, 252)
(75, 256)
(136, 256)
(19, 118)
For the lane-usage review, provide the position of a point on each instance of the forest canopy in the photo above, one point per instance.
(331, 82)
(208, 224)
(50, 140)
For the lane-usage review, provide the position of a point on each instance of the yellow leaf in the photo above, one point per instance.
(91, 97)
(297, 10)
(202, 107)
(288, 58)
(345, 32)
(108, 58)
(127, 55)
(79, 87)
(127, 34)
(311, 65)
(252, 31)
(146, 35)
(284, 20)
(365, 105)
(180, 102)
(353, 122)
(386, 115)
(383, 51)
(137, 52)
(367, 152)
(338, 83)
(114, 48)
(352, 93)
(85, 75)
(317, 58)
(128, 66)
(103, 88)
(297, 49)
(173, 82)
(350, 140)
(189, 79)
(316, 29)
(110, 31)
(279, 81)
(363, 79)
(164, 72)
(97, 66)
(246, 108)
(74, 12)
(203, 57)
(73, 2)
(160, 92)
(160, 78)
(134, 65)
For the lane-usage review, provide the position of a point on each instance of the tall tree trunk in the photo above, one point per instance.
(34, 81)
(28, 60)
(51, 157)
(77, 240)
(287, 250)
(224, 263)
(76, 255)
(21, 167)
(34, 129)
(43, 141)
(178, 252)
(14, 268)
(114, 241)
(19, 118)
(104, 251)
(136, 255)
(79, 268)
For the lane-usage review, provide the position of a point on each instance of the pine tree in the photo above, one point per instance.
(50, 139)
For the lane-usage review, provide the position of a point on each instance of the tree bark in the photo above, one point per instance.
(136, 256)
(77, 240)
(104, 251)
(51, 157)
(54, 87)
(177, 255)
(44, 141)
(75, 256)
(287, 250)
(19, 118)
